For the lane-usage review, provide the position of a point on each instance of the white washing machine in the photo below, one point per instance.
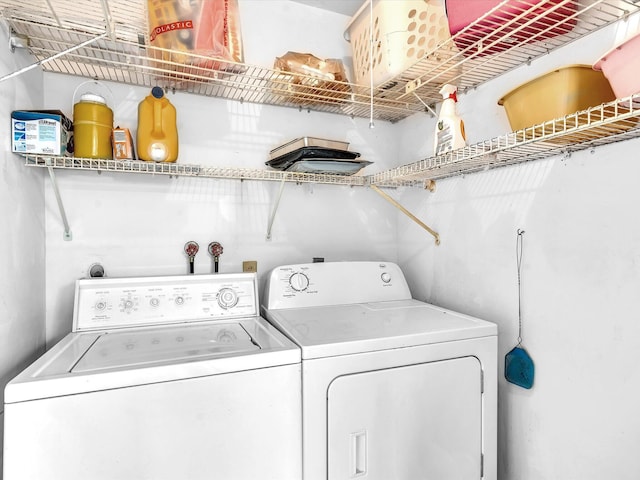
(392, 388)
(161, 378)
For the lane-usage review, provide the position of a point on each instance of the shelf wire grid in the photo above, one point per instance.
(600, 125)
(186, 170)
(54, 26)
(478, 52)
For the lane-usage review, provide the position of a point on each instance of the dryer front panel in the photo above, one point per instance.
(413, 422)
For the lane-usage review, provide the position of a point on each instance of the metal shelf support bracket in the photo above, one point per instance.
(406, 212)
(275, 207)
(52, 57)
(17, 41)
(67, 230)
(411, 87)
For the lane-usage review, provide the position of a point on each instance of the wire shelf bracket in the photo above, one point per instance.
(397, 204)
(42, 62)
(275, 207)
(67, 236)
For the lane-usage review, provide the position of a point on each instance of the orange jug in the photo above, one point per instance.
(157, 136)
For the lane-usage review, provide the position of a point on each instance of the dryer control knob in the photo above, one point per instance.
(299, 282)
(386, 278)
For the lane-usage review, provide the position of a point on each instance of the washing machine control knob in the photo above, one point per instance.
(299, 282)
(386, 278)
(227, 298)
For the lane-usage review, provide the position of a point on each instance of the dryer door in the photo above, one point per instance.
(407, 423)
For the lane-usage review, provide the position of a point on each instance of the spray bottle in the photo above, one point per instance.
(450, 127)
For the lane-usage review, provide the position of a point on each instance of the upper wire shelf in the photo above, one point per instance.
(124, 55)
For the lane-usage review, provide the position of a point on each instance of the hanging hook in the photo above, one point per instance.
(519, 247)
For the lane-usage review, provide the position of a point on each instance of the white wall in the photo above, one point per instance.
(580, 278)
(580, 283)
(22, 240)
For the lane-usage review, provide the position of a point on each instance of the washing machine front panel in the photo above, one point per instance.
(415, 422)
(238, 426)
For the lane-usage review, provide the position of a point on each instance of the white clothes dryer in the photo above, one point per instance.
(161, 378)
(392, 388)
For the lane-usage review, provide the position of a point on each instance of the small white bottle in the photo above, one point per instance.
(449, 133)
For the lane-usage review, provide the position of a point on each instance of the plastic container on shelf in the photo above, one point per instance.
(92, 125)
(556, 94)
(157, 137)
(516, 22)
(404, 31)
(560, 101)
(621, 66)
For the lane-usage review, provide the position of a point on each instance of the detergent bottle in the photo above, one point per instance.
(449, 133)
(157, 130)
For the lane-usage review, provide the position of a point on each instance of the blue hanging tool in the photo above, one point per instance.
(518, 365)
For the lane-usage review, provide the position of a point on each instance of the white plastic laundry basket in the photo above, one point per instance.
(403, 33)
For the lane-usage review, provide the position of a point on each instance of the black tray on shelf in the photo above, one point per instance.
(283, 162)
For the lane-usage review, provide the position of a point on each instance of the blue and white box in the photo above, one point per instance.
(46, 132)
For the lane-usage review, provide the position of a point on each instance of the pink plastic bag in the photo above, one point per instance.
(195, 31)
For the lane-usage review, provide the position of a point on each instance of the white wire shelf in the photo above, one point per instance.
(187, 170)
(51, 27)
(600, 125)
(604, 124)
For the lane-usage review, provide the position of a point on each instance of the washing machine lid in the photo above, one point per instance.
(93, 361)
(136, 348)
(349, 329)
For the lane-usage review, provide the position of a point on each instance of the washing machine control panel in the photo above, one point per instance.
(115, 303)
(334, 283)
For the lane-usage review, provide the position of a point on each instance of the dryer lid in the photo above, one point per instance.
(349, 329)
